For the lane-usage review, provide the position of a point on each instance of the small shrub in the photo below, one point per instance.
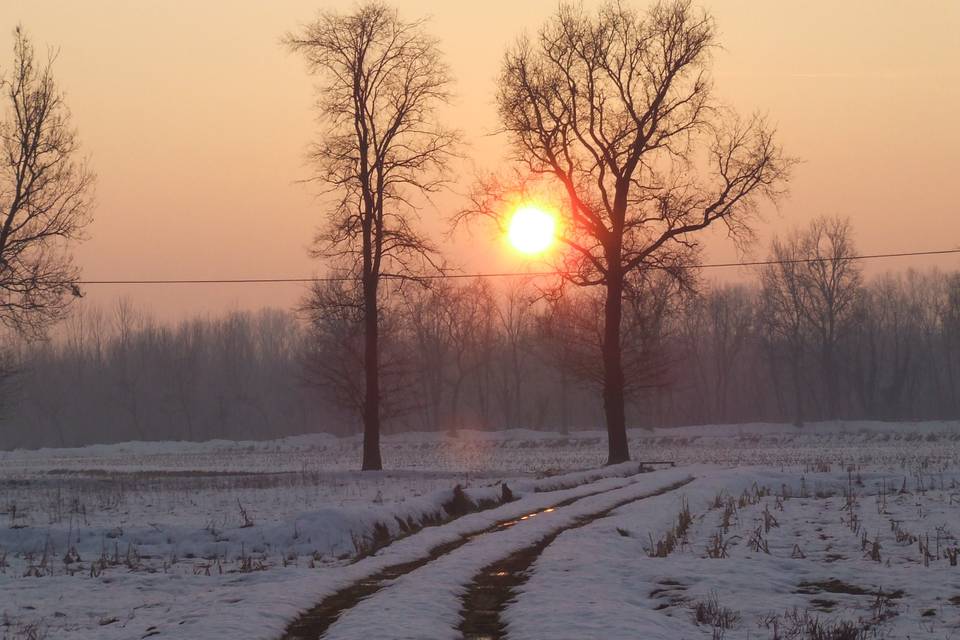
(459, 504)
(718, 546)
(801, 625)
(952, 553)
(757, 542)
(769, 522)
(874, 551)
(729, 513)
(664, 546)
(247, 520)
(709, 612)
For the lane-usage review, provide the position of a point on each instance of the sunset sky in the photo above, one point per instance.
(196, 121)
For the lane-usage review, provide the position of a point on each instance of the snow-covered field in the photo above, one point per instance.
(835, 556)
(792, 532)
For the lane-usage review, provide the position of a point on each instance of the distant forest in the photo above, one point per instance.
(809, 339)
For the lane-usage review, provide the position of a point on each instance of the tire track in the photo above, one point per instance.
(313, 624)
(492, 589)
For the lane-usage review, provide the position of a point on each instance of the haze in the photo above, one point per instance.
(196, 120)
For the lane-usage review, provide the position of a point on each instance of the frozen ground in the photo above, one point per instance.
(835, 556)
(230, 540)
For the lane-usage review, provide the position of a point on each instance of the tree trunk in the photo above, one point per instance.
(455, 405)
(830, 379)
(564, 411)
(797, 386)
(613, 397)
(371, 367)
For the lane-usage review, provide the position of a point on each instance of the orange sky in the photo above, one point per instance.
(196, 121)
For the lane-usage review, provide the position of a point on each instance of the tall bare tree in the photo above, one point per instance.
(783, 298)
(810, 294)
(614, 110)
(46, 192)
(381, 80)
(833, 281)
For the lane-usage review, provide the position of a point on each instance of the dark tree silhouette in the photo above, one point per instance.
(381, 79)
(834, 282)
(572, 330)
(335, 352)
(614, 110)
(45, 194)
(811, 296)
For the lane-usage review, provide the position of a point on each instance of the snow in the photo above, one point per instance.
(425, 604)
(160, 559)
(254, 605)
(631, 592)
(468, 451)
(161, 516)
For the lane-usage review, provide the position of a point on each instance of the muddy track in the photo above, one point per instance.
(496, 585)
(313, 624)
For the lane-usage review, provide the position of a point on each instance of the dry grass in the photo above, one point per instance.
(719, 546)
(710, 613)
(677, 535)
(23, 630)
(796, 624)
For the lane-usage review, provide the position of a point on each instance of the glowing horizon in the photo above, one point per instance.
(200, 149)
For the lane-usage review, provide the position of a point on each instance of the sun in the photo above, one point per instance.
(531, 230)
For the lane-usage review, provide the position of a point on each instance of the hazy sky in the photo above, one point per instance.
(196, 121)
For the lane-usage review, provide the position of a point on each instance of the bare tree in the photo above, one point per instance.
(947, 311)
(573, 329)
(45, 193)
(513, 324)
(783, 299)
(614, 110)
(716, 329)
(833, 282)
(684, 363)
(381, 80)
(468, 311)
(730, 311)
(128, 363)
(425, 320)
(561, 342)
(184, 359)
(336, 348)
(811, 295)
(882, 347)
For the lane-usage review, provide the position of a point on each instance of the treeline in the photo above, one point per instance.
(809, 341)
(895, 355)
(116, 375)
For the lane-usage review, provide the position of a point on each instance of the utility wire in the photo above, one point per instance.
(512, 274)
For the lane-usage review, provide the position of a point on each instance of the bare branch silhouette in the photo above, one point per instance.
(613, 111)
(45, 194)
(381, 80)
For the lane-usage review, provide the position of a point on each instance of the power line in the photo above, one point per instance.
(508, 274)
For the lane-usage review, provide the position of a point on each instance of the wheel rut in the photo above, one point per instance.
(496, 585)
(313, 624)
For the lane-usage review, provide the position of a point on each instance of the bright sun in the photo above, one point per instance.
(531, 230)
